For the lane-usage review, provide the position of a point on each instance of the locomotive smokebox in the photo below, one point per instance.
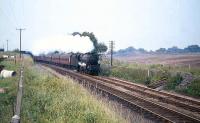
(89, 58)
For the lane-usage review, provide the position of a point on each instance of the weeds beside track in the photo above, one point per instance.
(162, 112)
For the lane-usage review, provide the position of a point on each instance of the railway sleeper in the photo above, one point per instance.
(158, 96)
(170, 95)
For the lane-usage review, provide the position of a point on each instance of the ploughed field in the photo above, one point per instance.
(168, 59)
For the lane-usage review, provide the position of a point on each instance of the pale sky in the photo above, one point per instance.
(148, 24)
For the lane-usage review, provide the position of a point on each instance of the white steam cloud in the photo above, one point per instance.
(66, 43)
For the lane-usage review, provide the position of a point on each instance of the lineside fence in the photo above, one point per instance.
(17, 108)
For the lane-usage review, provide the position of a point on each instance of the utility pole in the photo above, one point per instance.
(20, 30)
(7, 45)
(111, 52)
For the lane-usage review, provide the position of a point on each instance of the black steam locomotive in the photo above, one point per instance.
(86, 63)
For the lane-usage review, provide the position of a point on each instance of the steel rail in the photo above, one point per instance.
(166, 94)
(155, 94)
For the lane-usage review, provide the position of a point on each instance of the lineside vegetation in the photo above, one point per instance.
(7, 98)
(50, 99)
(148, 74)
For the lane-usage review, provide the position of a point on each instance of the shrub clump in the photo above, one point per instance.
(193, 89)
(173, 81)
(137, 75)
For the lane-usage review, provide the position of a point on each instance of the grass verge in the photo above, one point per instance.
(50, 99)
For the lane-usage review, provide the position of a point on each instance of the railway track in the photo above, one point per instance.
(135, 95)
(169, 98)
(166, 94)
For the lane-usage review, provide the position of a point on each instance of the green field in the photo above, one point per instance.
(7, 99)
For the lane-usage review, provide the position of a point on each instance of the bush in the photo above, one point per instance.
(193, 89)
(148, 81)
(137, 75)
(90, 117)
(105, 70)
(173, 81)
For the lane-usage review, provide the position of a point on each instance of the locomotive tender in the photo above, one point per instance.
(86, 63)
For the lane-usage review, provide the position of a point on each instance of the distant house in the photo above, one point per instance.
(1, 50)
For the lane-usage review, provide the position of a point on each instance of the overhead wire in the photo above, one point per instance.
(12, 20)
(12, 23)
(11, 6)
(23, 13)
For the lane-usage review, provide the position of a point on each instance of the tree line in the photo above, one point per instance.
(172, 50)
(175, 49)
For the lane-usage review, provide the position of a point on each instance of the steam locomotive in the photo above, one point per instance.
(86, 63)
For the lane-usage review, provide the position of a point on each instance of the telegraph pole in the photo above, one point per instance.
(20, 30)
(111, 52)
(7, 45)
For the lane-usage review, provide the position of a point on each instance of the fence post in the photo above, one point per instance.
(189, 66)
(148, 72)
(16, 117)
(15, 59)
